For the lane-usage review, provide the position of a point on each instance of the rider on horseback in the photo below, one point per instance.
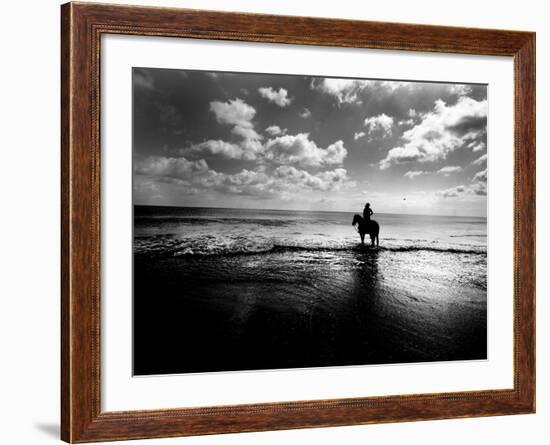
(364, 225)
(367, 212)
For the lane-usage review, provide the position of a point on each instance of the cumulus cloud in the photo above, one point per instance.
(233, 112)
(350, 90)
(335, 153)
(300, 150)
(182, 171)
(460, 89)
(305, 114)
(331, 180)
(275, 130)
(281, 148)
(476, 145)
(480, 176)
(478, 188)
(481, 160)
(412, 113)
(245, 132)
(175, 168)
(446, 171)
(218, 148)
(393, 85)
(197, 175)
(405, 122)
(414, 173)
(238, 114)
(358, 135)
(440, 132)
(380, 125)
(344, 90)
(279, 97)
(244, 182)
(453, 192)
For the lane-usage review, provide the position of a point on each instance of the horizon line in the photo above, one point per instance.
(303, 210)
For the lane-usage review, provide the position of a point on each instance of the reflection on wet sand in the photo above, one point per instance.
(294, 309)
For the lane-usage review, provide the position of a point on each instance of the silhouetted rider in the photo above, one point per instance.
(367, 212)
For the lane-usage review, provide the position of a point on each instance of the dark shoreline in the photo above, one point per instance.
(295, 310)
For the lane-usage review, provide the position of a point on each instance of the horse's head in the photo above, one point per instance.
(357, 219)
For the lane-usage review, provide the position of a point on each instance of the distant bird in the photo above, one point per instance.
(404, 199)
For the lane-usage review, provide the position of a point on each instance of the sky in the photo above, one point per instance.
(264, 141)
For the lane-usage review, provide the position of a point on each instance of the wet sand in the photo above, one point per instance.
(295, 309)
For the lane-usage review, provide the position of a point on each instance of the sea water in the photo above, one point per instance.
(179, 231)
(237, 289)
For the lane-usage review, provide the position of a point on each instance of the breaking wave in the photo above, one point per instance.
(220, 246)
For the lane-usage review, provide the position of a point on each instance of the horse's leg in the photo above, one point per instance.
(362, 238)
(372, 240)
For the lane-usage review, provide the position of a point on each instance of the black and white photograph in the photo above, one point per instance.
(275, 222)
(295, 221)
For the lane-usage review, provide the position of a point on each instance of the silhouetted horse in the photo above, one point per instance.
(363, 227)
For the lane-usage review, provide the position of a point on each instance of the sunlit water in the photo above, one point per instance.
(204, 231)
(280, 289)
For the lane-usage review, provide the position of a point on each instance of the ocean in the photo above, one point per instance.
(243, 289)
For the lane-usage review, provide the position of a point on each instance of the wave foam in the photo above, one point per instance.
(219, 246)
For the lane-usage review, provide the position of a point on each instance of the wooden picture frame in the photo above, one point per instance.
(82, 25)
